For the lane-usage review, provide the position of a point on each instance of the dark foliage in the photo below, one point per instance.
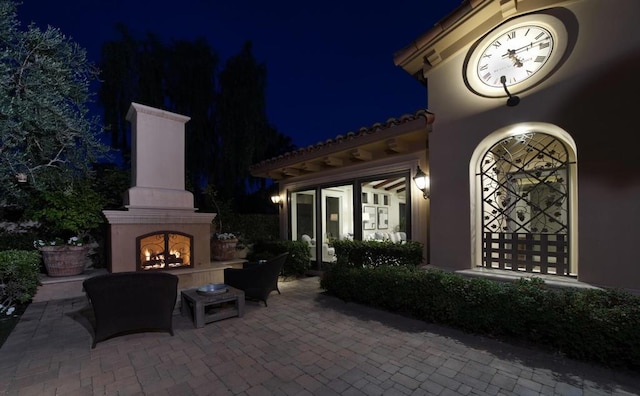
(297, 263)
(373, 254)
(592, 325)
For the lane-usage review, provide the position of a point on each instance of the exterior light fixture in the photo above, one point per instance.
(276, 199)
(21, 177)
(513, 100)
(422, 182)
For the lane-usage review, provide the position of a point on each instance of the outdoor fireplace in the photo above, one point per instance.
(159, 228)
(164, 250)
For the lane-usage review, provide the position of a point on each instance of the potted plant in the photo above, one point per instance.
(63, 258)
(223, 246)
(66, 217)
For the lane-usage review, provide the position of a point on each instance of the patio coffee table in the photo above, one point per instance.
(209, 308)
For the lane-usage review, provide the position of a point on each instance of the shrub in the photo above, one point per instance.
(592, 325)
(297, 263)
(70, 211)
(17, 241)
(18, 277)
(373, 254)
(254, 227)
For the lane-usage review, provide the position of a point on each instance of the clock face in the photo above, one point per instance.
(515, 56)
(521, 52)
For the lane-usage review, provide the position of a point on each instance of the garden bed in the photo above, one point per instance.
(9, 322)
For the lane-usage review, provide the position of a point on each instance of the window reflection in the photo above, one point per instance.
(384, 209)
(380, 208)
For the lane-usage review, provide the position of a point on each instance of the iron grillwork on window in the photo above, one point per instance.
(525, 205)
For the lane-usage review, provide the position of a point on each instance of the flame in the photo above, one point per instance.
(147, 254)
(175, 253)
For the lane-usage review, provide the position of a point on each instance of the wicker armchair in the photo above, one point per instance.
(129, 302)
(256, 280)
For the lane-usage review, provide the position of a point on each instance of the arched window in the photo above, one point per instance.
(523, 182)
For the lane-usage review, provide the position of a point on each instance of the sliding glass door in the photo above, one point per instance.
(371, 209)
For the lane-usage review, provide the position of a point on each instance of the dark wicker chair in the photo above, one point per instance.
(131, 302)
(256, 280)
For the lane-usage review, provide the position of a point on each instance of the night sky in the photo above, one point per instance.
(329, 63)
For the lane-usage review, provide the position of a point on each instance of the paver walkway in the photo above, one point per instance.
(304, 343)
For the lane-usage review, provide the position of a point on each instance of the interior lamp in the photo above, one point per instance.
(422, 182)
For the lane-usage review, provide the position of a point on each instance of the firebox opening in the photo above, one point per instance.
(164, 250)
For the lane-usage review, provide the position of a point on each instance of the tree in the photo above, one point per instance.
(244, 133)
(46, 133)
(228, 130)
(132, 71)
(190, 82)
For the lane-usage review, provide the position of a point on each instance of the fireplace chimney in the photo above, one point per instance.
(157, 202)
(157, 161)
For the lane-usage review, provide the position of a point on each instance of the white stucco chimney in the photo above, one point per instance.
(157, 160)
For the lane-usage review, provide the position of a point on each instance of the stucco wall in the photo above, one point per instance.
(586, 98)
(123, 243)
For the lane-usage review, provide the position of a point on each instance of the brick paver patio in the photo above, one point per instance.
(304, 343)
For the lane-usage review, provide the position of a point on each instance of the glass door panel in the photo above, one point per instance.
(337, 218)
(303, 214)
(384, 214)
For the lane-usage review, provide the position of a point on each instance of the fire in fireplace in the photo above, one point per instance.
(164, 250)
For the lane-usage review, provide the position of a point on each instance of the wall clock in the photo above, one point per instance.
(521, 52)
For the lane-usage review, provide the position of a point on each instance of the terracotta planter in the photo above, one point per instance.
(64, 260)
(223, 249)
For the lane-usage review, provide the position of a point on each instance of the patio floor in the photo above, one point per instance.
(303, 343)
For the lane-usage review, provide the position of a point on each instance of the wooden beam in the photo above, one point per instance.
(383, 183)
(396, 146)
(333, 161)
(310, 167)
(291, 171)
(402, 183)
(361, 155)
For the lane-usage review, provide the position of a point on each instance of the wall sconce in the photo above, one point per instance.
(422, 182)
(276, 199)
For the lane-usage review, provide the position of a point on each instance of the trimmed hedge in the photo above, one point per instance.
(373, 254)
(253, 227)
(17, 240)
(592, 325)
(18, 277)
(297, 263)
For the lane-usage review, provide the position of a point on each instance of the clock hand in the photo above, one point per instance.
(511, 53)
